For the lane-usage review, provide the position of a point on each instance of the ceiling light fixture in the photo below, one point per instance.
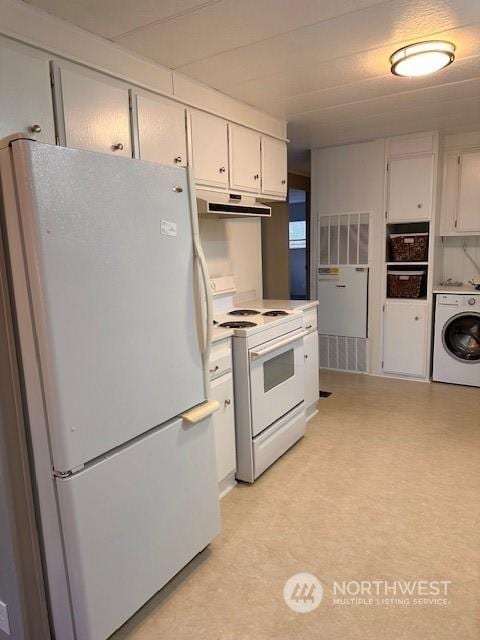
(422, 58)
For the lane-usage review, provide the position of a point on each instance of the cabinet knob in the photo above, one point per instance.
(222, 169)
(419, 205)
(284, 181)
(417, 317)
(228, 402)
(35, 128)
(178, 159)
(118, 147)
(256, 176)
(305, 356)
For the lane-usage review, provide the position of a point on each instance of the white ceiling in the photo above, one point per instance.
(321, 64)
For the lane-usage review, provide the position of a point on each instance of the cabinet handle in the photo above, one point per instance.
(256, 176)
(419, 205)
(215, 368)
(35, 128)
(309, 326)
(284, 181)
(178, 159)
(228, 402)
(222, 169)
(305, 356)
(118, 146)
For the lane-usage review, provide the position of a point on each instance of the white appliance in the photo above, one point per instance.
(456, 354)
(268, 366)
(343, 318)
(101, 259)
(343, 301)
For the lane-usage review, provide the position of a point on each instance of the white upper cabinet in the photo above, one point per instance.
(25, 95)
(162, 132)
(410, 188)
(244, 156)
(209, 141)
(405, 339)
(95, 109)
(274, 167)
(468, 198)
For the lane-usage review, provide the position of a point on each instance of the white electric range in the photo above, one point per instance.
(268, 367)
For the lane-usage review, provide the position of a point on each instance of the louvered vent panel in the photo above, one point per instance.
(361, 354)
(345, 354)
(332, 352)
(342, 353)
(323, 351)
(352, 354)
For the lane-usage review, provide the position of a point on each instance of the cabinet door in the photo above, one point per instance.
(310, 344)
(468, 198)
(25, 96)
(410, 183)
(224, 424)
(209, 149)
(96, 111)
(274, 166)
(244, 154)
(161, 130)
(405, 339)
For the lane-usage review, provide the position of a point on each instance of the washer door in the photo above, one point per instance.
(461, 337)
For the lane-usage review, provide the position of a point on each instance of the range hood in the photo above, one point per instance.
(231, 205)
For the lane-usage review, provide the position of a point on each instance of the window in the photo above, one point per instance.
(297, 234)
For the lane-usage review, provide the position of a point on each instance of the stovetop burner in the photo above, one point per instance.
(275, 312)
(238, 324)
(243, 312)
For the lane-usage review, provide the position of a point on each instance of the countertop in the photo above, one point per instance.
(288, 305)
(220, 334)
(466, 288)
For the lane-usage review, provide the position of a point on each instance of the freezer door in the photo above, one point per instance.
(108, 248)
(342, 302)
(133, 520)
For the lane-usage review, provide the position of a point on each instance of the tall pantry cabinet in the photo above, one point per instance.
(411, 168)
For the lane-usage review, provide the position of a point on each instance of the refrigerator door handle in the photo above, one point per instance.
(201, 411)
(202, 262)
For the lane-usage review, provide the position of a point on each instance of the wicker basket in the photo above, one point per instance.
(409, 247)
(405, 284)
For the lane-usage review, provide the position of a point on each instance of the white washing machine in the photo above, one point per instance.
(456, 352)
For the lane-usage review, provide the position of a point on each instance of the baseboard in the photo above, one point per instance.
(226, 485)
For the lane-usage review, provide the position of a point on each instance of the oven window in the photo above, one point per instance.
(278, 369)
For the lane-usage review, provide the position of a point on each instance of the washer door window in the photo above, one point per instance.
(461, 337)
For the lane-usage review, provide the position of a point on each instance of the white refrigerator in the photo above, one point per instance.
(112, 338)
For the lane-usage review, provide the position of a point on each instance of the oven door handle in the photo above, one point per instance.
(280, 343)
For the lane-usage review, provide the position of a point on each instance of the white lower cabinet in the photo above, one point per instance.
(310, 345)
(224, 425)
(405, 339)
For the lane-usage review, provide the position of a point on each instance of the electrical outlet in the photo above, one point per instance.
(4, 623)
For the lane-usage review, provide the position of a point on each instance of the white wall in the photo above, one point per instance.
(234, 247)
(349, 179)
(456, 265)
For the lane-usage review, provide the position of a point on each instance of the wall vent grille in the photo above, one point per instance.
(344, 354)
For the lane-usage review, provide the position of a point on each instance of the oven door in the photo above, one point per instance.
(276, 379)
